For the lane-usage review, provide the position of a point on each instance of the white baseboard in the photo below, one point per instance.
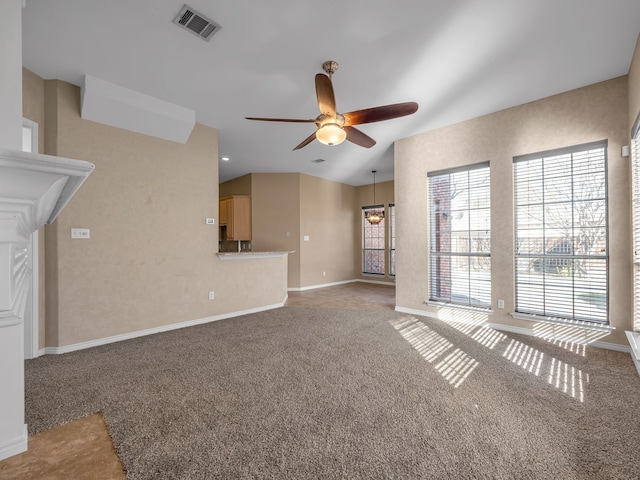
(376, 282)
(523, 331)
(321, 285)
(15, 446)
(150, 331)
(333, 284)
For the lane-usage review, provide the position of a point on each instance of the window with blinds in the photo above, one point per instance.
(460, 236)
(392, 239)
(561, 240)
(373, 242)
(635, 199)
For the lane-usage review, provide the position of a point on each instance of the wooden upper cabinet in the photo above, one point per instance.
(235, 217)
(225, 205)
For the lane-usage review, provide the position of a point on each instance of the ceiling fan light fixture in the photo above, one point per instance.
(334, 127)
(331, 134)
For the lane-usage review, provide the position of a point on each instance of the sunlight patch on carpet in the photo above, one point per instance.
(453, 364)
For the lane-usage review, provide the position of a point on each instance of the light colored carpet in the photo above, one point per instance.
(338, 393)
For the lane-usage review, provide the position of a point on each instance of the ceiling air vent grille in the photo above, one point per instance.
(196, 23)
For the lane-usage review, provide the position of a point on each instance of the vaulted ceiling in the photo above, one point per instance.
(458, 59)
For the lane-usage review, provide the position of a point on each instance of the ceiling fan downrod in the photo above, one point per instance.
(330, 67)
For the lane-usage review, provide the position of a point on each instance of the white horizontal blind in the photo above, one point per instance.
(562, 233)
(460, 236)
(373, 242)
(635, 199)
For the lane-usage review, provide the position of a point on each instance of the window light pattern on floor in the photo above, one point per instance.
(455, 365)
(559, 374)
(452, 363)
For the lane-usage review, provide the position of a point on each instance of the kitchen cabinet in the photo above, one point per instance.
(235, 217)
(224, 211)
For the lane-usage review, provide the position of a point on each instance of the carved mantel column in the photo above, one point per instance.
(33, 191)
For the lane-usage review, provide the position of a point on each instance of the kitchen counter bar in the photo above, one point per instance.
(249, 255)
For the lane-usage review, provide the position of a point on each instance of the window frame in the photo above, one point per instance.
(392, 240)
(552, 258)
(475, 285)
(381, 225)
(635, 217)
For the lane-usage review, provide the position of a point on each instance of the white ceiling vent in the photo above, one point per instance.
(196, 23)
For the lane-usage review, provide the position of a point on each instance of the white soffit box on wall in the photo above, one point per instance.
(111, 104)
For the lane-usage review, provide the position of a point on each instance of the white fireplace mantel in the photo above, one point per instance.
(34, 189)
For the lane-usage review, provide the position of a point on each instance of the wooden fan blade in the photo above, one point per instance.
(306, 141)
(324, 92)
(295, 120)
(359, 138)
(378, 114)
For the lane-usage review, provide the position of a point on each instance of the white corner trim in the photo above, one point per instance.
(15, 446)
(164, 328)
(634, 343)
(523, 331)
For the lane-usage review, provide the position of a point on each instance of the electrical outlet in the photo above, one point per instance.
(210, 221)
(212, 296)
(324, 274)
(500, 303)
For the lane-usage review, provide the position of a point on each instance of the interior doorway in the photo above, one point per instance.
(31, 320)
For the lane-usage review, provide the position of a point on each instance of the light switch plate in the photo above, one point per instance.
(210, 221)
(81, 233)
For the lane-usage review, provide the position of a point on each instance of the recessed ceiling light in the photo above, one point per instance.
(224, 159)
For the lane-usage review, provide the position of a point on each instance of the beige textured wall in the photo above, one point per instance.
(33, 109)
(275, 210)
(587, 114)
(634, 85)
(364, 198)
(151, 259)
(237, 186)
(305, 205)
(326, 217)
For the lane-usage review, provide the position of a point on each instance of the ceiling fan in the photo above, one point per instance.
(332, 127)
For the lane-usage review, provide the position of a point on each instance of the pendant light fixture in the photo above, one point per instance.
(374, 217)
